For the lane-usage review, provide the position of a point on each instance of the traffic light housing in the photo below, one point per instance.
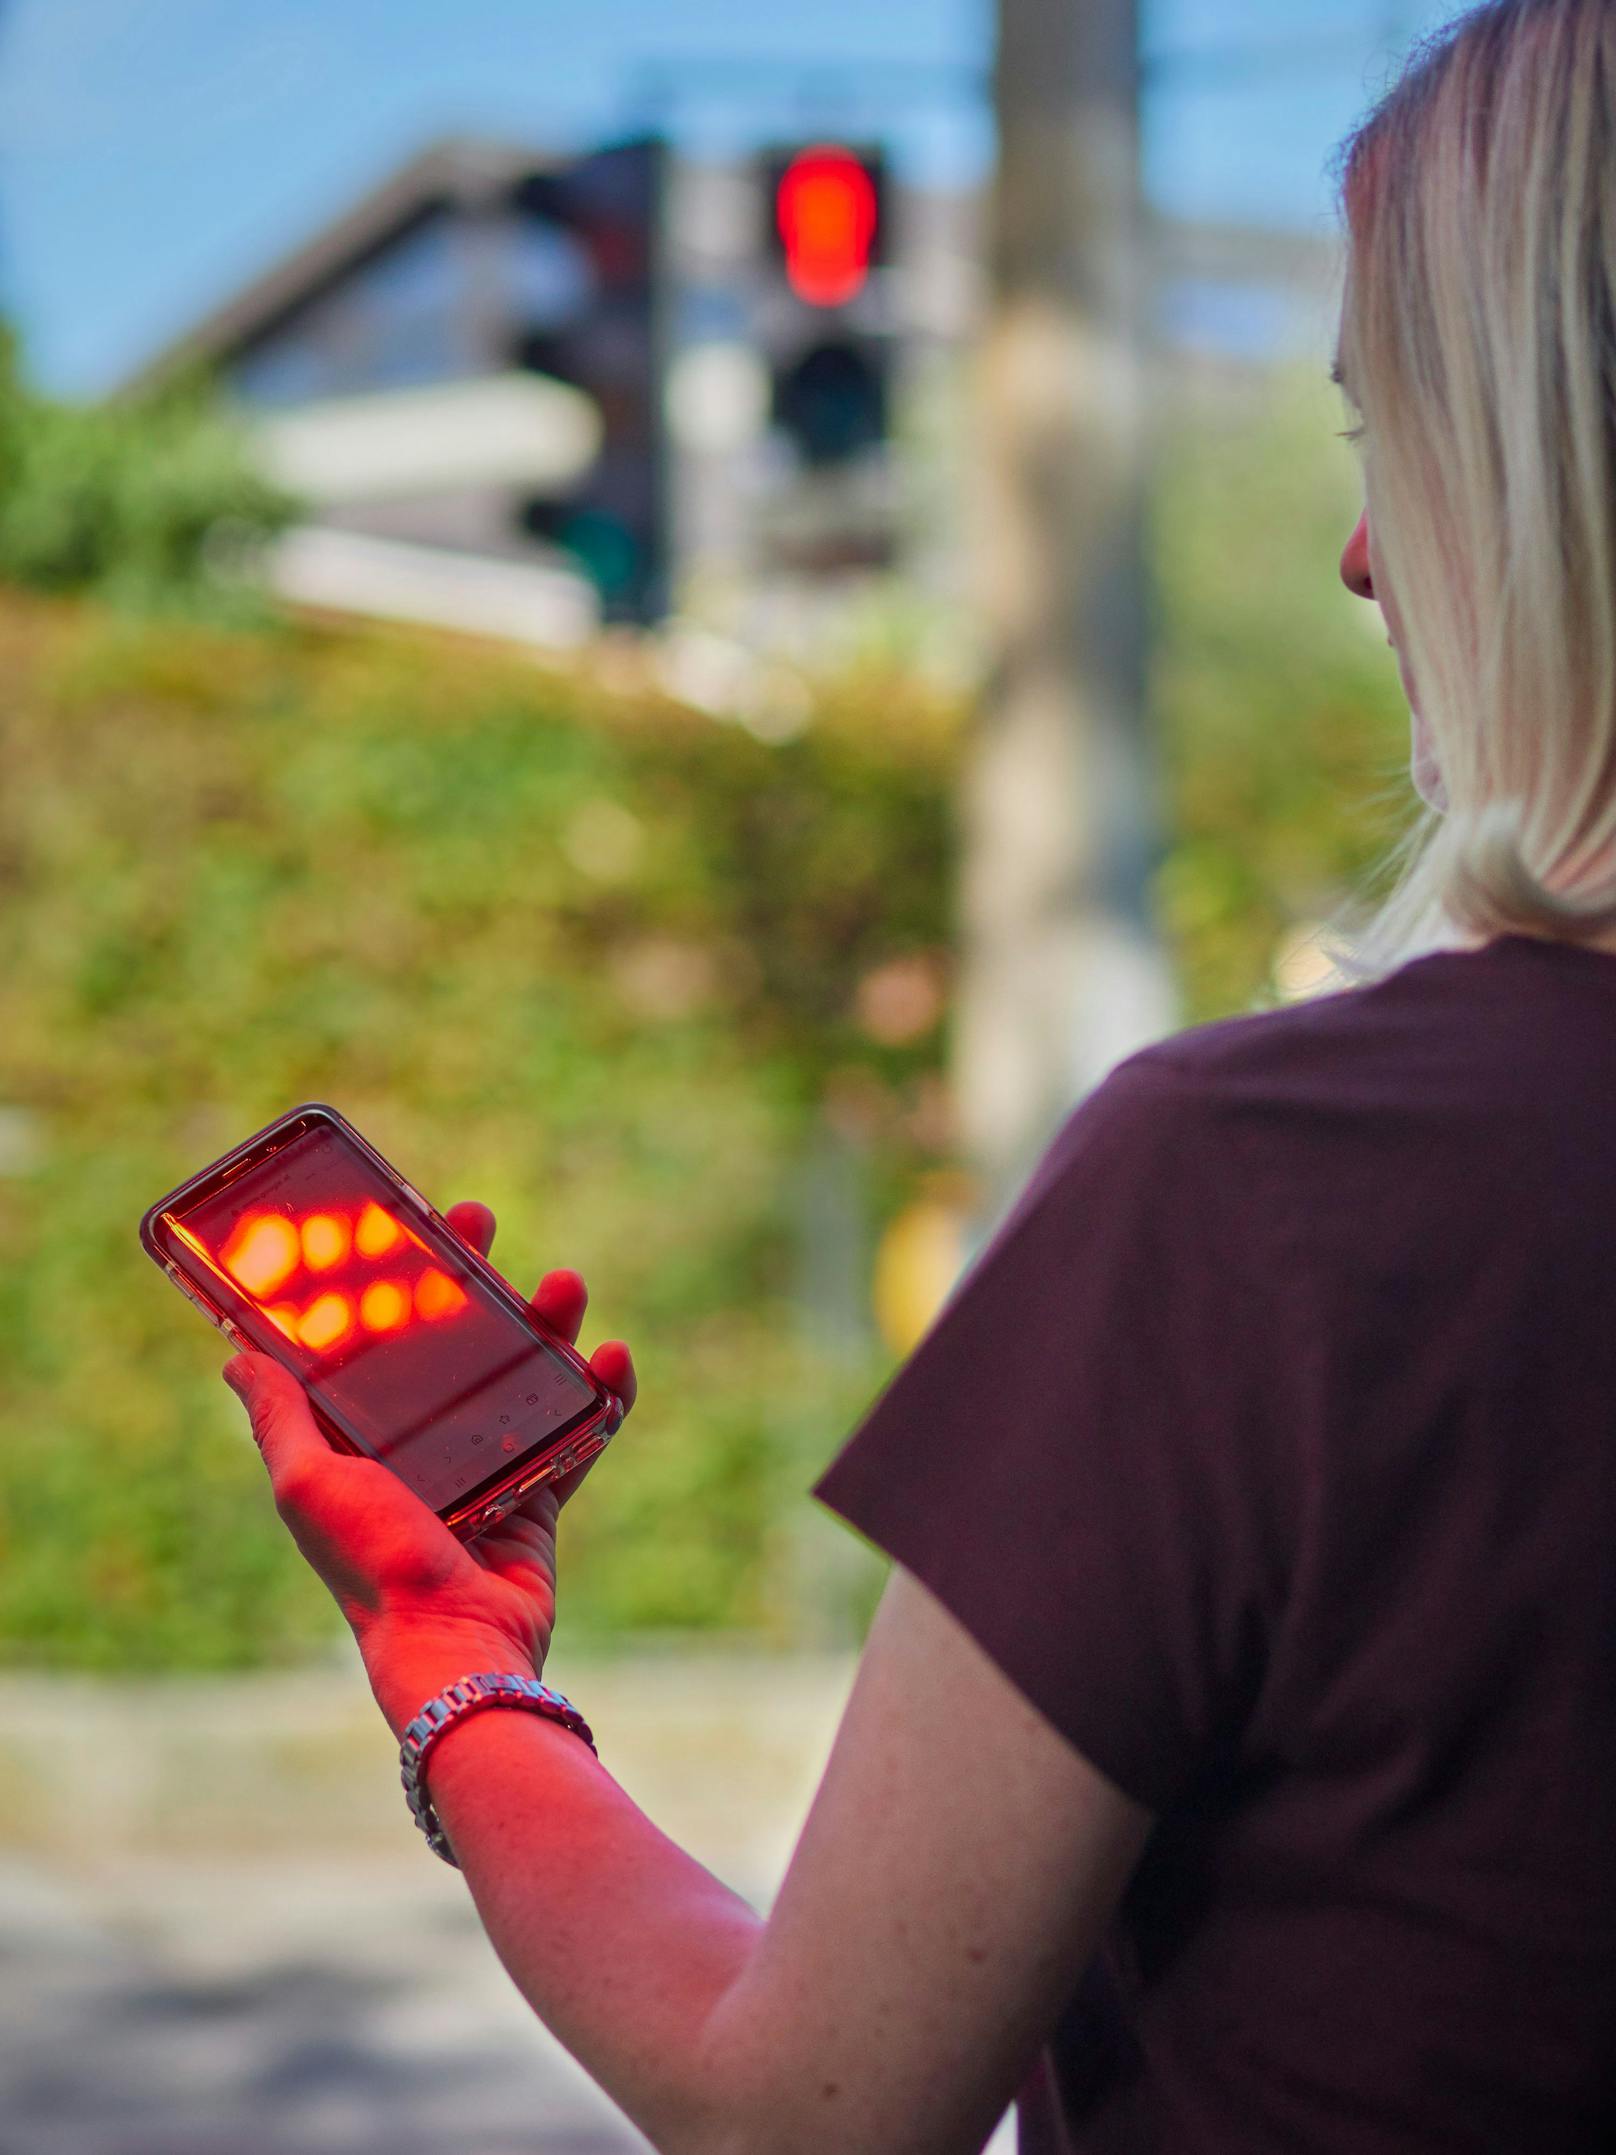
(594, 308)
(824, 330)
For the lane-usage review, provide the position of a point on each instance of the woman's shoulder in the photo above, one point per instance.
(1324, 1034)
(1196, 1104)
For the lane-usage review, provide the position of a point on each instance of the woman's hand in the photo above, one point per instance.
(413, 1594)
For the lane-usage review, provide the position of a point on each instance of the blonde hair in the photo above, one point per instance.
(1478, 340)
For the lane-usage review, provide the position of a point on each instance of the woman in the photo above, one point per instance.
(1232, 1761)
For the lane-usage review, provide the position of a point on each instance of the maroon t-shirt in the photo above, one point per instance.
(1269, 1448)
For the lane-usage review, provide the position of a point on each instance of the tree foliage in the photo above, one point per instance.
(154, 504)
(1283, 730)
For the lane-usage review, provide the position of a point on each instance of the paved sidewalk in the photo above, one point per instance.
(220, 1931)
(220, 1934)
(194, 2009)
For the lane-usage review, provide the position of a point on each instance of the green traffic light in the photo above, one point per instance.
(605, 548)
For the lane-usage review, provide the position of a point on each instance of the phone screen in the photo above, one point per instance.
(402, 1343)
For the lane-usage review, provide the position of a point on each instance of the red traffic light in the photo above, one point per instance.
(825, 209)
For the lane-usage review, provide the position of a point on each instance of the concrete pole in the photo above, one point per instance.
(1063, 973)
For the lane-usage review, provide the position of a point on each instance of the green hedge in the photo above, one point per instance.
(591, 959)
(584, 954)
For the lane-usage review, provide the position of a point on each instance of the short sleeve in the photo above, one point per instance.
(1083, 1459)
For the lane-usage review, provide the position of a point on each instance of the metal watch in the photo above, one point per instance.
(468, 1696)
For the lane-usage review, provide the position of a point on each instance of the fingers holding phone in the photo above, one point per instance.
(474, 1224)
(559, 1301)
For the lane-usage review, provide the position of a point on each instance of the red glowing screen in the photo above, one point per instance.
(327, 1279)
(825, 208)
(409, 1350)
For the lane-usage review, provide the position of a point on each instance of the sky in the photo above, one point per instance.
(157, 154)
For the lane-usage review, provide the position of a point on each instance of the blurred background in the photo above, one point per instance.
(700, 619)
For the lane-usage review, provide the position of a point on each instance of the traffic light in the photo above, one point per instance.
(826, 217)
(590, 267)
(824, 329)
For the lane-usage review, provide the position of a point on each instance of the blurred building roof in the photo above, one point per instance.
(468, 174)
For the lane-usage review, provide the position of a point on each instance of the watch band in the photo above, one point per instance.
(468, 1696)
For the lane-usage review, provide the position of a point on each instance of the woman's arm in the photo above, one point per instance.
(622, 1943)
(958, 1866)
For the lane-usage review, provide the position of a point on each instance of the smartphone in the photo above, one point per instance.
(303, 1243)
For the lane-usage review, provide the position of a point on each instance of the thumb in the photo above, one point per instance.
(283, 1428)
